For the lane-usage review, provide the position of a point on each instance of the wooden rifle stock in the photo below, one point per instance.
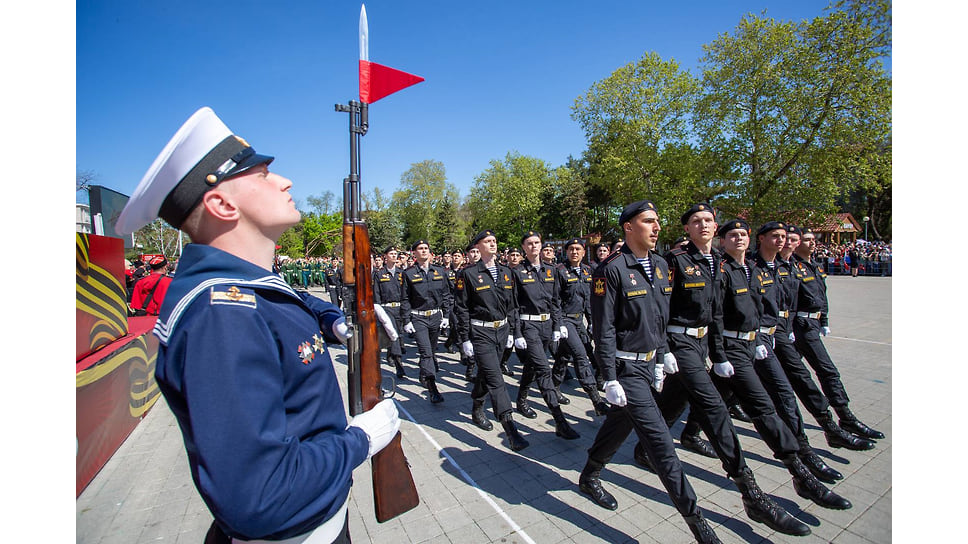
(394, 491)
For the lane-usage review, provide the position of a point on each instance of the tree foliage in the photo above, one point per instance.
(423, 198)
(509, 197)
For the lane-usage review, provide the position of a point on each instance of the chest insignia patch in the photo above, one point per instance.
(599, 286)
(306, 352)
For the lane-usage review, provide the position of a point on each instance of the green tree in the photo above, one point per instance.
(383, 220)
(423, 187)
(785, 102)
(508, 197)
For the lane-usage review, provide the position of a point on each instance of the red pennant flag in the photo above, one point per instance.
(378, 81)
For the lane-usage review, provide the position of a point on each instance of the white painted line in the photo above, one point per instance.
(858, 340)
(467, 478)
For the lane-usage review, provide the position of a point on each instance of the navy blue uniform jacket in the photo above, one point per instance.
(244, 366)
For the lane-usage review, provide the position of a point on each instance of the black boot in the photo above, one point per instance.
(505, 370)
(809, 487)
(762, 509)
(523, 407)
(824, 472)
(850, 423)
(561, 398)
(697, 444)
(590, 484)
(435, 396)
(562, 428)
(839, 438)
(736, 412)
(470, 372)
(479, 417)
(601, 407)
(399, 364)
(642, 459)
(515, 441)
(701, 530)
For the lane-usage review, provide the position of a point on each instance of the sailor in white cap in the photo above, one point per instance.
(242, 359)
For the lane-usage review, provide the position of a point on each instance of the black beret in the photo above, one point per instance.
(514, 250)
(575, 241)
(732, 225)
(806, 230)
(793, 229)
(529, 234)
(771, 225)
(413, 246)
(701, 207)
(480, 236)
(634, 209)
(389, 249)
(547, 245)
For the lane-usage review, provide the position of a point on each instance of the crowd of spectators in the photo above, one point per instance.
(873, 258)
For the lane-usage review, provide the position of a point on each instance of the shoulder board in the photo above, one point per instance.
(611, 257)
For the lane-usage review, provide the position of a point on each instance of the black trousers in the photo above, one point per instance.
(572, 349)
(809, 344)
(488, 347)
(801, 379)
(395, 347)
(535, 362)
(745, 384)
(428, 331)
(692, 386)
(778, 386)
(642, 415)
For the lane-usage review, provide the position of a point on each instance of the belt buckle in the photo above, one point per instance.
(751, 335)
(700, 332)
(650, 355)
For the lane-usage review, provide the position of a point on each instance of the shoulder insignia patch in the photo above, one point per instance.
(232, 296)
(599, 286)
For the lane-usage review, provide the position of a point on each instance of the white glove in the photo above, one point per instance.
(510, 341)
(444, 323)
(793, 337)
(670, 365)
(614, 393)
(380, 424)
(555, 336)
(521, 343)
(658, 378)
(468, 348)
(723, 369)
(409, 328)
(341, 330)
(386, 321)
(564, 331)
(761, 352)
(825, 331)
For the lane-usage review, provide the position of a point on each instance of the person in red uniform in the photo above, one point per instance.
(150, 290)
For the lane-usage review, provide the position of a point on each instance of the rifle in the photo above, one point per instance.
(393, 489)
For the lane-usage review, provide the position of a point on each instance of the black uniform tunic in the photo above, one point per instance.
(574, 294)
(386, 293)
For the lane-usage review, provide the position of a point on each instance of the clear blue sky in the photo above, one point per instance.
(500, 77)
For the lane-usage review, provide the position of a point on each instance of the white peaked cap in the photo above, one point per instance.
(200, 155)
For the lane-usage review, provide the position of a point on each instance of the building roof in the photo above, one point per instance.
(840, 222)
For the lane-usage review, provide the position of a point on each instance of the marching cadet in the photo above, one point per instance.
(691, 305)
(548, 254)
(627, 326)
(574, 293)
(487, 316)
(786, 352)
(539, 313)
(736, 324)
(770, 239)
(470, 367)
(243, 359)
(334, 282)
(426, 303)
(514, 259)
(387, 283)
(810, 324)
